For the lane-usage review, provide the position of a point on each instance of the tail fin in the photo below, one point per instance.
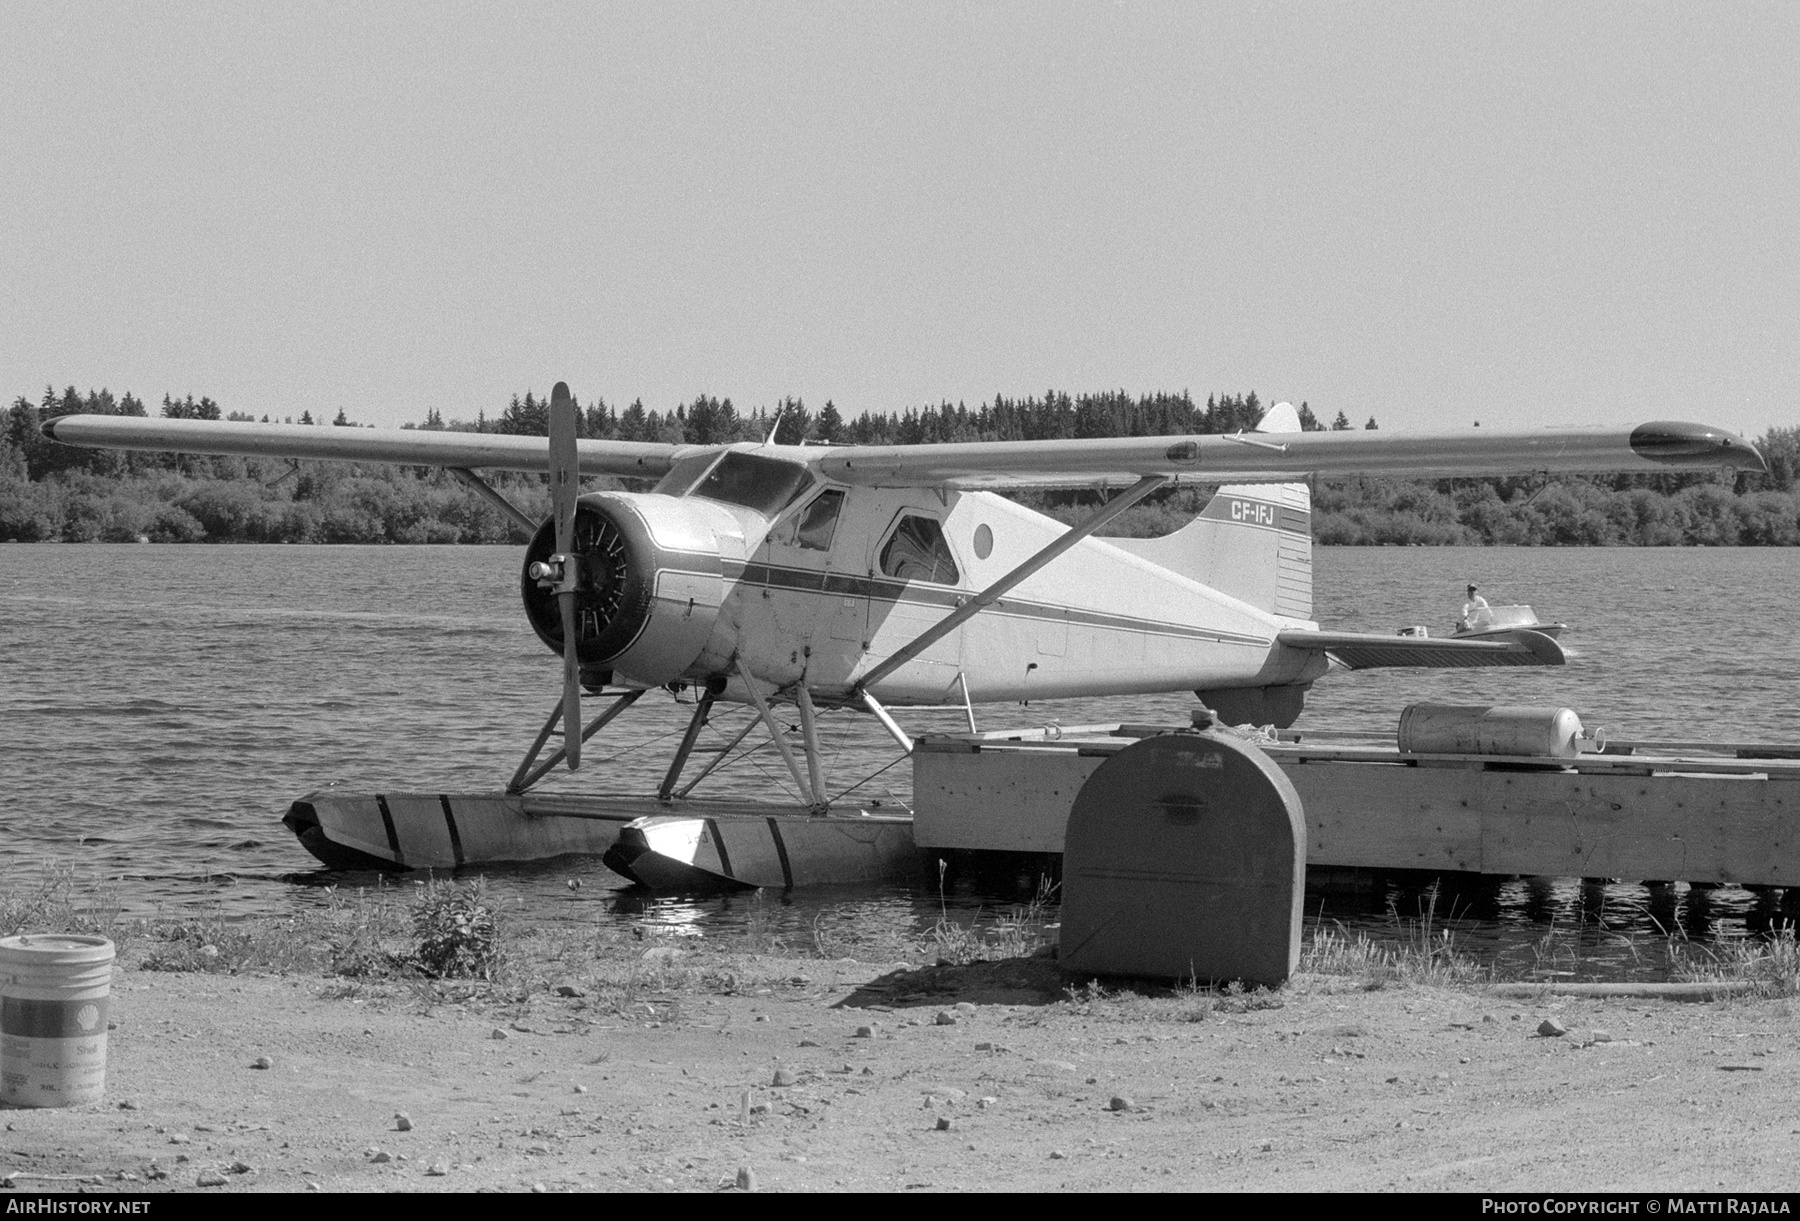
(1252, 541)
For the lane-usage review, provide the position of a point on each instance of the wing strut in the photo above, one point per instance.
(487, 492)
(887, 721)
(987, 597)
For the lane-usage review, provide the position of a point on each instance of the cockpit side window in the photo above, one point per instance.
(918, 551)
(818, 521)
(763, 484)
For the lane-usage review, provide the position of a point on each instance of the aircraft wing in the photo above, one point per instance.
(405, 447)
(1286, 456)
(1371, 650)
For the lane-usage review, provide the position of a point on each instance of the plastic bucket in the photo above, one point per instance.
(54, 990)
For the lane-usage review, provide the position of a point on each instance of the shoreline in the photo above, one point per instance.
(598, 1060)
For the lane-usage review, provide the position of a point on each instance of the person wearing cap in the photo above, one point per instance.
(1474, 613)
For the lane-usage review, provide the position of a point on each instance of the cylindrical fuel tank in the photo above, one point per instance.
(1506, 729)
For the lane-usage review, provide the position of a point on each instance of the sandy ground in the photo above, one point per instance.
(1324, 1086)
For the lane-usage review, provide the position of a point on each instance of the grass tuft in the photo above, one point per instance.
(63, 902)
(345, 939)
(1771, 961)
(1423, 950)
(1018, 933)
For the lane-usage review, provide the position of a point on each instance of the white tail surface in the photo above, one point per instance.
(1252, 541)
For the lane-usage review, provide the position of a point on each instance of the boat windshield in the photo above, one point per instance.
(764, 484)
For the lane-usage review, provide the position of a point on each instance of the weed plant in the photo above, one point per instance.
(455, 934)
(457, 931)
(63, 902)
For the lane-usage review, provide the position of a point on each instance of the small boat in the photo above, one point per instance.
(1499, 620)
(1493, 623)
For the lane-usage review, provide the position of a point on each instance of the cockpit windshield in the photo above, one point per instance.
(763, 484)
(685, 474)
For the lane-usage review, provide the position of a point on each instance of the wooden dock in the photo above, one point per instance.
(1703, 815)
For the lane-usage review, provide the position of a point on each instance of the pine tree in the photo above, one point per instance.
(634, 425)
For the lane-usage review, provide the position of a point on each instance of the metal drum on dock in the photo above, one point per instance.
(1506, 729)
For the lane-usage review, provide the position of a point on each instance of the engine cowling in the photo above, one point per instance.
(649, 585)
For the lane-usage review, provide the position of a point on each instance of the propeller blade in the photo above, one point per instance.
(571, 682)
(565, 480)
(565, 487)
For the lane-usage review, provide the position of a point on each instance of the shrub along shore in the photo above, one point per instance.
(55, 493)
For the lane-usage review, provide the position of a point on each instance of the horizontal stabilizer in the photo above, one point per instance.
(1369, 650)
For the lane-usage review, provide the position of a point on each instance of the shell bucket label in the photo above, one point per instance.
(36, 1019)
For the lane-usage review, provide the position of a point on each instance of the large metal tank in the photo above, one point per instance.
(1505, 729)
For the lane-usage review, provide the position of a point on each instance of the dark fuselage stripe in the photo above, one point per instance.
(393, 836)
(456, 848)
(801, 580)
(787, 869)
(712, 827)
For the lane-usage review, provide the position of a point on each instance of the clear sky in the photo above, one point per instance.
(1431, 213)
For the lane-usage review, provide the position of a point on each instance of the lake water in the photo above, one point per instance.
(161, 706)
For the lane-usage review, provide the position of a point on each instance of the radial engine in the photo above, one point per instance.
(650, 580)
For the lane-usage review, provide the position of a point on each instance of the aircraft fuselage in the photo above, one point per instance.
(832, 583)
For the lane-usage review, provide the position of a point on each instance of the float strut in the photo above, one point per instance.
(525, 777)
(809, 733)
(719, 758)
(686, 748)
(807, 796)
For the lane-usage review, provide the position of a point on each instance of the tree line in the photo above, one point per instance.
(51, 492)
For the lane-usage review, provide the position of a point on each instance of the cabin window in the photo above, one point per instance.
(763, 484)
(818, 521)
(918, 551)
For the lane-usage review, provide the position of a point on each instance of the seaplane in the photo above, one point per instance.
(874, 578)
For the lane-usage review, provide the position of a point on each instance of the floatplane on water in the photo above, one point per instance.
(872, 578)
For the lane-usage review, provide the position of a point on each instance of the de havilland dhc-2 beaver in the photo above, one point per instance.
(871, 577)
